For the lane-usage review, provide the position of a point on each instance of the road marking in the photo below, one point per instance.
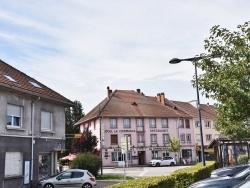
(144, 172)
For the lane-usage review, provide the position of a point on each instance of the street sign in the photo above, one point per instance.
(78, 135)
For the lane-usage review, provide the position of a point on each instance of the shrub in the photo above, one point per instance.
(243, 159)
(87, 161)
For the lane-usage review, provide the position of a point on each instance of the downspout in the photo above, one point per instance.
(32, 138)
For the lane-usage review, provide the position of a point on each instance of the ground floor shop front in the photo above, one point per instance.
(142, 155)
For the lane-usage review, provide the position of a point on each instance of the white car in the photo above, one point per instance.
(164, 161)
(69, 178)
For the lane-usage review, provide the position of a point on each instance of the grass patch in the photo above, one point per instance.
(113, 177)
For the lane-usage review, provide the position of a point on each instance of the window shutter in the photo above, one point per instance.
(13, 110)
(46, 121)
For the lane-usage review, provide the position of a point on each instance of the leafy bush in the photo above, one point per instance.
(243, 159)
(87, 161)
(181, 178)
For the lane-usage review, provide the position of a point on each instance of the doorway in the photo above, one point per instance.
(141, 156)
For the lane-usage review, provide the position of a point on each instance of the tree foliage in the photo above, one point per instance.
(72, 115)
(174, 145)
(88, 143)
(227, 80)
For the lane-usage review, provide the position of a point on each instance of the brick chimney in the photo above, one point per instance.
(163, 98)
(108, 92)
(158, 97)
(138, 90)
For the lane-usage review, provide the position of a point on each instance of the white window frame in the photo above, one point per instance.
(198, 137)
(14, 112)
(165, 138)
(126, 123)
(182, 137)
(115, 156)
(197, 123)
(153, 138)
(208, 124)
(152, 123)
(181, 123)
(46, 121)
(188, 137)
(208, 137)
(164, 123)
(113, 123)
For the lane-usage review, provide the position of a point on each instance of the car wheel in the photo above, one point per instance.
(172, 164)
(48, 185)
(87, 185)
(157, 164)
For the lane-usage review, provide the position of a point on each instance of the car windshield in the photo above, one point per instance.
(242, 173)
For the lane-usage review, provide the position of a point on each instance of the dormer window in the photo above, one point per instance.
(10, 78)
(35, 84)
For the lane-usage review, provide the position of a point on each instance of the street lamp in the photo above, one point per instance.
(195, 59)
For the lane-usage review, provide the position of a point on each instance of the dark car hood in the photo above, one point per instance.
(212, 182)
(222, 169)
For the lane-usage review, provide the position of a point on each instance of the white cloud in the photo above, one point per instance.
(78, 48)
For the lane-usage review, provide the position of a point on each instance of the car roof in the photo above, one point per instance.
(77, 170)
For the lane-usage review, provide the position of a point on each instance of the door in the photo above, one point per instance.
(141, 155)
(63, 180)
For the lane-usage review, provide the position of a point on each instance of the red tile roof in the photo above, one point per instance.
(207, 111)
(23, 85)
(129, 103)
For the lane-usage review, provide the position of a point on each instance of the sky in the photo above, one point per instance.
(78, 48)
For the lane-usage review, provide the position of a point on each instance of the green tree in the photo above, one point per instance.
(174, 146)
(227, 80)
(88, 143)
(72, 115)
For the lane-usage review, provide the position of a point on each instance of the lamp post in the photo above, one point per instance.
(195, 59)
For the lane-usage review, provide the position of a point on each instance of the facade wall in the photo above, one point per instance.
(141, 154)
(19, 139)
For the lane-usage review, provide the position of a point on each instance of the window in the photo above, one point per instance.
(139, 123)
(207, 124)
(215, 124)
(129, 137)
(113, 123)
(154, 154)
(208, 137)
(126, 123)
(35, 84)
(187, 124)
(186, 153)
(188, 136)
(46, 121)
(181, 123)
(14, 114)
(10, 78)
(44, 165)
(198, 138)
(152, 123)
(66, 175)
(164, 123)
(77, 174)
(153, 138)
(182, 137)
(140, 140)
(116, 156)
(114, 139)
(165, 138)
(197, 124)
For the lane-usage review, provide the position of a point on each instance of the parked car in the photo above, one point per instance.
(69, 178)
(228, 171)
(244, 184)
(163, 161)
(222, 182)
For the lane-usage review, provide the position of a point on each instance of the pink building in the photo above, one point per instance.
(147, 121)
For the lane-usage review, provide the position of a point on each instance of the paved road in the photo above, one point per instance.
(137, 172)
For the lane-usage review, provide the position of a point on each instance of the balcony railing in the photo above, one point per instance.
(140, 144)
(140, 129)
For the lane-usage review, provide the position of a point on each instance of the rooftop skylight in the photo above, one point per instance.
(35, 84)
(10, 78)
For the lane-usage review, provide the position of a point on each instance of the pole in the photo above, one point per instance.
(199, 114)
(100, 121)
